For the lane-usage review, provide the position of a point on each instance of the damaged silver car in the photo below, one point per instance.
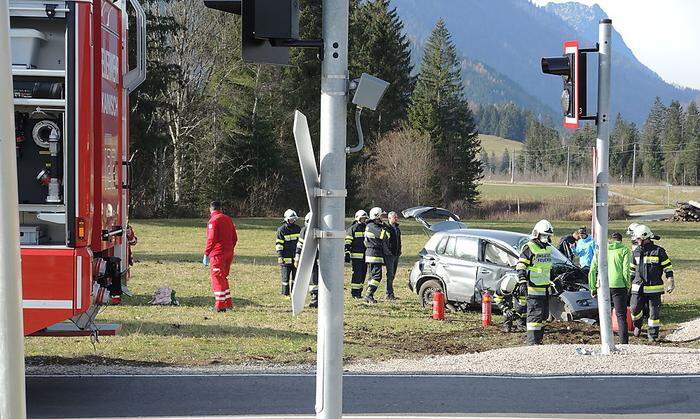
(463, 263)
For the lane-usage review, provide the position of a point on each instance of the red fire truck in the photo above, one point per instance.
(71, 83)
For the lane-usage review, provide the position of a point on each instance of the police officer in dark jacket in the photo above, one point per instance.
(286, 246)
(649, 263)
(377, 247)
(355, 253)
(392, 261)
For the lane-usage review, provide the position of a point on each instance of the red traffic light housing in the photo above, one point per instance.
(572, 68)
(269, 29)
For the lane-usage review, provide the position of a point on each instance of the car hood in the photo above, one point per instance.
(423, 214)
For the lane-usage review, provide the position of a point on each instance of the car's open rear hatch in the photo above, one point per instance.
(450, 221)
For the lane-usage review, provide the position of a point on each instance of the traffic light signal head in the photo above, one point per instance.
(268, 26)
(572, 68)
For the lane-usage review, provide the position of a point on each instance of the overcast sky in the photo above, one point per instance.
(663, 34)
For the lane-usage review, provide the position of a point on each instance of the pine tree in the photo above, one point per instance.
(379, 46)
(673, 141)
(440, 109)
(504, 166)
(622, 140)
(691, 154)
(543, 148)
(651, 151)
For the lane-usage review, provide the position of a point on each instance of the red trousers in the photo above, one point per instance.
(219, 267)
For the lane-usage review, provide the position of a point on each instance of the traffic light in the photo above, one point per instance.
(572, 68)
(269, 28)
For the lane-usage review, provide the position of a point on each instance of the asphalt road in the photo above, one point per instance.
(210, 395)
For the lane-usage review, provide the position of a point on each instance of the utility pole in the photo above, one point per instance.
(568, 163)
(12, 398)
(602, 182)
(334, 91)
(512, 167)
(634, 165)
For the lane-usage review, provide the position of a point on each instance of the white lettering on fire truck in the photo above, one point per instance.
(109, 104)
(110, 66)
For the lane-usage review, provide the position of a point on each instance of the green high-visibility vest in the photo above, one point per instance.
(541, 265)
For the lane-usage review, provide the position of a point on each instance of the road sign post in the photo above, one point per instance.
(334, 91)
(601, 183)
(309, 171)
(12, 398)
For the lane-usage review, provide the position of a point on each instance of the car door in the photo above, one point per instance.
(457, 266)
(495, 261)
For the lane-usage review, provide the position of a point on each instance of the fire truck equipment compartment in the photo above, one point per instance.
(31, 235)
(25, 45)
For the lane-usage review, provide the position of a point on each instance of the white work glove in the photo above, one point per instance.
(205, 260)
(671, 285)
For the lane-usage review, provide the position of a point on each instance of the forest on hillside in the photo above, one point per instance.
(206, 125)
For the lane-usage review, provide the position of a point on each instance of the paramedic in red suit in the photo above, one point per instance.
(218, 255)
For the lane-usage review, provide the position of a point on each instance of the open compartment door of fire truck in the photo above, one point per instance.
(69, 62)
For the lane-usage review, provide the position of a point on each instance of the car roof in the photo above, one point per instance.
(506, 237)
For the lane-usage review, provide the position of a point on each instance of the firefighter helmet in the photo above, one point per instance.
(307, 219)
(542, 228)
(376, 213)
(508, 283)
(359, 215)
(642, 232)
(290, 216)
(630, 229)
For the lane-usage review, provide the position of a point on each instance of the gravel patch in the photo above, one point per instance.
(522, 360)
(86, 369)
(549, 360)
(686, 332)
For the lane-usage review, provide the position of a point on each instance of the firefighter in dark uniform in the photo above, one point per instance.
(377, 245)
(313, 289)
(535, 266)
(355, 253)
(286, 246)
(513, 306)
(649, 263)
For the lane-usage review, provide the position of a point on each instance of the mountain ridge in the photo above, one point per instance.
(519, 33)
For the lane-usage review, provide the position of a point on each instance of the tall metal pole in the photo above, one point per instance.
(12, 401)
(634, 164)
(334, 89)
(568, 164)
(602, 181)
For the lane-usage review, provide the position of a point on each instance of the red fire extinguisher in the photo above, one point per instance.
(616, 327)
(486, 309)
(438, 305)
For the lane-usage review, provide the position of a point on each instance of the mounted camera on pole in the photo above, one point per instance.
(572, 68)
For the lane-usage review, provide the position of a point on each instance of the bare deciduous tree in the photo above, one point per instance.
(398, 174)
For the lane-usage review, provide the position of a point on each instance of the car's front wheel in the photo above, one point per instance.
(427, 289)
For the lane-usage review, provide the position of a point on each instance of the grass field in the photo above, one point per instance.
(660, 195)
(492, 143)
(262, 329)
(508, 191)
(635, 199)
